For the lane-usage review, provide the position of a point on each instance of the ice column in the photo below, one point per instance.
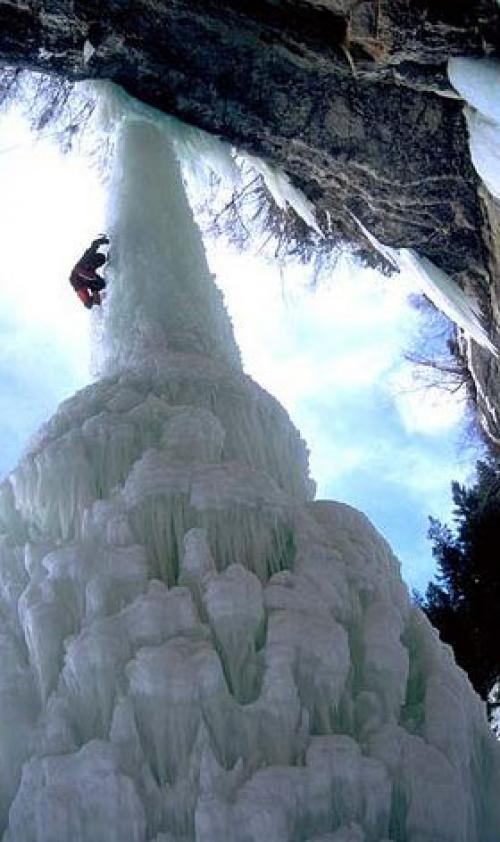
(162, 298)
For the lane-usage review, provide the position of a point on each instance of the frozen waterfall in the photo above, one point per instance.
(193, 649)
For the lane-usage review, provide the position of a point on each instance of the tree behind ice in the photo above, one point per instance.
(464, 602)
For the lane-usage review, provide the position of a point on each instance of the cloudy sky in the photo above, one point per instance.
(333, 357)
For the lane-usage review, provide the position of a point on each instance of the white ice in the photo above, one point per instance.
(284, 193)
(201, 154)
(193, 650)
(478, 81)
(439, 288)
(88, 51)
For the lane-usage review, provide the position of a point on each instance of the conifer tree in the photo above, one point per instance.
(464, 602)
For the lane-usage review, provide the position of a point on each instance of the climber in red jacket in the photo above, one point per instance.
(84, 279)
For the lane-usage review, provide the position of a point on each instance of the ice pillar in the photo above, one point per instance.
(162, 298)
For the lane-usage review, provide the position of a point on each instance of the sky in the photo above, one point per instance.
(333, 356)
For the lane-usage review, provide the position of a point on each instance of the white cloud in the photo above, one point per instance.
(298, 342)
(51, 207)
(425, 409)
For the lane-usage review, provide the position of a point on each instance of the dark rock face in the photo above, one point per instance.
(350, 97)
(484, 368)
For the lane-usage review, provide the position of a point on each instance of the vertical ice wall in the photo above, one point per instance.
(192, 649)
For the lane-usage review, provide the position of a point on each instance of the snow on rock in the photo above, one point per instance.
(193, 649)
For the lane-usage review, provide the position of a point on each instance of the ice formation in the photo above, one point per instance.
(193, 648)
(478, 81)
(439, 288)
(284, 193)
(88, 51)
(202, 154)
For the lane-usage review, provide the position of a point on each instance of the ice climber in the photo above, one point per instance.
(84, 279)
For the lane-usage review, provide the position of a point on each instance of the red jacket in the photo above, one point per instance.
(84, 272)
(84, 278)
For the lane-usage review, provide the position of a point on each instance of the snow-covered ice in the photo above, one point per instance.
(193, 648)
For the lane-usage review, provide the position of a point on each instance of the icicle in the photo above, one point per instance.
(446, 295)
(235, 611)
(439, 288)
(284, 193)
(88, 51)
(478, 82)
(484, 144)
(198, 152)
